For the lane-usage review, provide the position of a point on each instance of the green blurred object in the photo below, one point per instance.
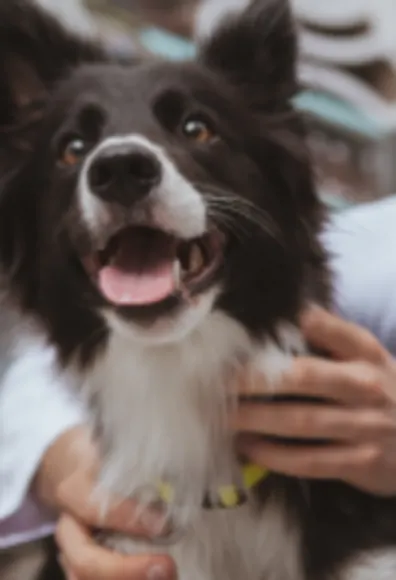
(337, 112)
(168, 45)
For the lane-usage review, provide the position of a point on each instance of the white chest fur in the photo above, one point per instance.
(162, 415)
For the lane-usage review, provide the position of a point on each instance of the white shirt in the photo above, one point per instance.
(34, 413)
(362, 243)
(36, 407)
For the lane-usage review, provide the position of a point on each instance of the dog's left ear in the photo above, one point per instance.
(257, 51)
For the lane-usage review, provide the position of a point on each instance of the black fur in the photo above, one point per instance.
(261, 154)
(52, 569)
(243, 82)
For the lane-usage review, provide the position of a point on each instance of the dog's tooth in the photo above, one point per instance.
(177, 273)
(196, 259)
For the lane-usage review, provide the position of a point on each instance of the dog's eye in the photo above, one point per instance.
(73, 151)
(198, 130)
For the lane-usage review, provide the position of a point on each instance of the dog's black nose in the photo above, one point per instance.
(124, 176)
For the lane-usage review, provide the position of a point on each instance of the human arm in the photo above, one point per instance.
(47, 467)
(68, 485)
(35, 409)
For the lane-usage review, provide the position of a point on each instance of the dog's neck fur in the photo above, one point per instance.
(160, 411)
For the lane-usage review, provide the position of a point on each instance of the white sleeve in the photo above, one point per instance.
(37, 405)
(362, 242)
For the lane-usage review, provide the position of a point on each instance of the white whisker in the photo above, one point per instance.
(225, 206)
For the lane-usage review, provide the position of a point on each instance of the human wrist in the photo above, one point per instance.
(64, 456)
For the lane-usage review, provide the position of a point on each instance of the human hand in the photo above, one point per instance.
(83, 559)
(66, 482)
(358, 423)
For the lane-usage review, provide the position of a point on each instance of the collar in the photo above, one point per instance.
(225, 496)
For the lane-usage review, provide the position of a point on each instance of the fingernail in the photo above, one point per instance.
(157, 572)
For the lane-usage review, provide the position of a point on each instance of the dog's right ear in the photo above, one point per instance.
(35, 53)
(256, 51)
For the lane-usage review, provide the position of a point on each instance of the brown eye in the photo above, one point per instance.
(198, 130)
(73, 152)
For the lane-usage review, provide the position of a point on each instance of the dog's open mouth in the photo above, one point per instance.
(141, 266)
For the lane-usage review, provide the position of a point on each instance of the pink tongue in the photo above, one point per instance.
(141, 271)
(129, 289)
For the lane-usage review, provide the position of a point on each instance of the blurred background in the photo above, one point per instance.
(347, 72)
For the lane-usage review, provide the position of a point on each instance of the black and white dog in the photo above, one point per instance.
(160, 227)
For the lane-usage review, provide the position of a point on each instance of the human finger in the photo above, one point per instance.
(348, 383)
(323, 462)
(88, 561)
(76, 496)
(341, 339)
(316, 422)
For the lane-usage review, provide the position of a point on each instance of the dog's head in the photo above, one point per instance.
(152, 193)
